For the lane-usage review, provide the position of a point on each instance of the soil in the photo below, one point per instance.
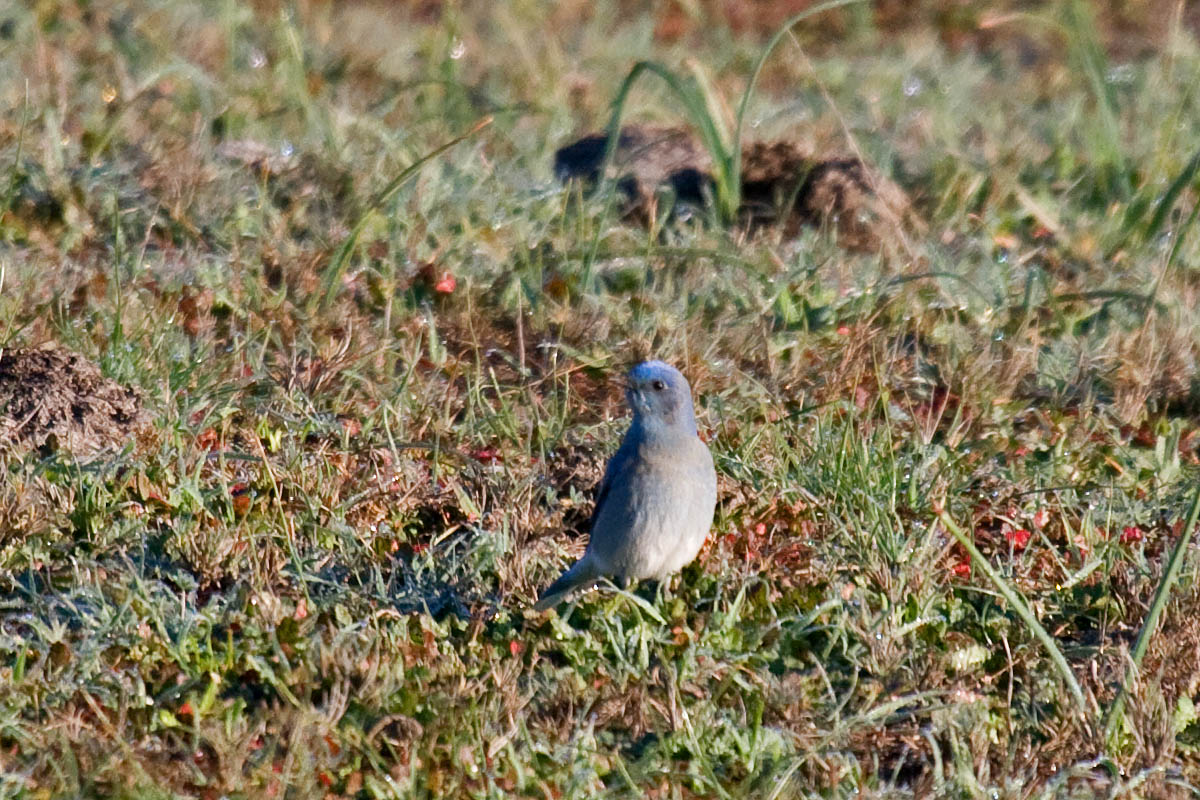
(782, 185)
(53, 398)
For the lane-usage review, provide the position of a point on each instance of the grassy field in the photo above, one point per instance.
(952, 475)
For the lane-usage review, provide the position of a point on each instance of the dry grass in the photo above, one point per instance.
(312, 574)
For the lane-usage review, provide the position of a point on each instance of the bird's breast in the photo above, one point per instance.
(657, 512)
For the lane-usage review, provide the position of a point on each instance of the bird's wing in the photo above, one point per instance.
(616, 465)
(585, 570)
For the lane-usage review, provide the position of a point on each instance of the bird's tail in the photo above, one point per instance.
(581, 573)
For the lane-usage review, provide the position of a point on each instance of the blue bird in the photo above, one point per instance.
(658, 494)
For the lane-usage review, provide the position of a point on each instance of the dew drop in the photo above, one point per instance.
(1122, 73)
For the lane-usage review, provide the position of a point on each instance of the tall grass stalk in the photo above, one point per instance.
(777, 37)
(1083, 43)
(1170, 576)
(14, 171)
(1023, 611)
(701, 114)
(703, 109)
(341, 259)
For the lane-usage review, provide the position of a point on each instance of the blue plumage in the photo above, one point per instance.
(656, 501)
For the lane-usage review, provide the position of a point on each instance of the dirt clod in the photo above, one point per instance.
(52, 397)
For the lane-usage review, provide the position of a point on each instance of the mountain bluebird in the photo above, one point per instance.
(658, 494)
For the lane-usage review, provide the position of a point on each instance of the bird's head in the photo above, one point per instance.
(660, 397)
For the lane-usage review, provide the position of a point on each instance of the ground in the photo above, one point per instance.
(309, 367)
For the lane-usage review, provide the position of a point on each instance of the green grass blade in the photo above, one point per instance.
(696, 106)
(1167, 204)
(14, 171)
(772, 43)
(1161, 595)
(1023, 611)
(721, 145)
(341, 259)
(1137, 208)
(1083, 42)
(694, 103)
(700, 102)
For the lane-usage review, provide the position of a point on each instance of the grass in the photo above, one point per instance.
(379, 345)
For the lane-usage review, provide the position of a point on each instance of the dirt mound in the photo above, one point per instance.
(645, 159)
(51, 397)
(781, 183)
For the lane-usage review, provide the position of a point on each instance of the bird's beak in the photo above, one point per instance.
(630, 392)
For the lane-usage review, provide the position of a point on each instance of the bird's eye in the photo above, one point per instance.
(658, 386)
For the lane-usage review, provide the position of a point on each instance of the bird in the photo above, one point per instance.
(656, 501)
